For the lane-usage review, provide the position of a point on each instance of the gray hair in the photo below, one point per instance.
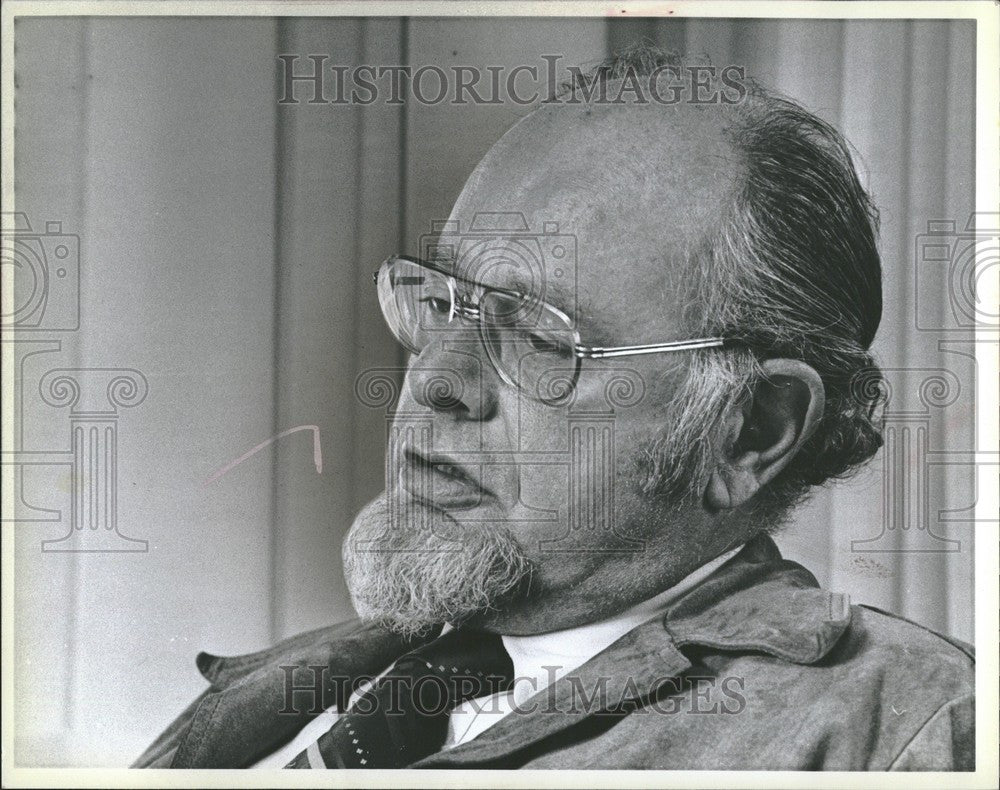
(793, 271)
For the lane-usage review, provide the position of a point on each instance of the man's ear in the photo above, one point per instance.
(760, 439)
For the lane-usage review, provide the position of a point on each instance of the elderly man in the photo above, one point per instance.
(571, 565)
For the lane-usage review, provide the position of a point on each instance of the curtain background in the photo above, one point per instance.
(225, 246)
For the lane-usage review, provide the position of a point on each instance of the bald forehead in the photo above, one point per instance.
(645, 160)
(638, 187)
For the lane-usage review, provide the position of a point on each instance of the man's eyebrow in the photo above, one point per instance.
(584, 319)
(441, 258)
(554, 295)
(593, 330)
(551, 294)
(565, 301)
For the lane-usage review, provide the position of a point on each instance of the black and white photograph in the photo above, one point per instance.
(500, 394)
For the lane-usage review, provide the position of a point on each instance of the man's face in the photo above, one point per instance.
(483, 473)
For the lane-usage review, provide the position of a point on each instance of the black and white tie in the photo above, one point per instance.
(403, 717)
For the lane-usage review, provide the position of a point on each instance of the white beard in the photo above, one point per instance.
(409, 579)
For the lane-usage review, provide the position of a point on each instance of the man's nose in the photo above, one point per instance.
(452, 375)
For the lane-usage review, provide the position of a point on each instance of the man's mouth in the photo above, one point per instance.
(439, 481)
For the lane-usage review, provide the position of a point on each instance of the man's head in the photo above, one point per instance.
(690, 221)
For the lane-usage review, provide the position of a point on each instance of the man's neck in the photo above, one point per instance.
(535, 655)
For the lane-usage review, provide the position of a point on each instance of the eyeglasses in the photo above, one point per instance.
(532, 345)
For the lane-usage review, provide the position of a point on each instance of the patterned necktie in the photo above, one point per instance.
(404, 716)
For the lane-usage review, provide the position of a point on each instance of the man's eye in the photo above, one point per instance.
(553, 345)
(437, 304)
(539, 343)
(548, 344)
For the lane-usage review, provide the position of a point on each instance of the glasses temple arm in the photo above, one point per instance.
(598, 352)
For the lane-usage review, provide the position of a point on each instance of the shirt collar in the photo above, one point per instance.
(543, 658)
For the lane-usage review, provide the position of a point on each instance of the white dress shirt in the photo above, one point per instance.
(539, 660)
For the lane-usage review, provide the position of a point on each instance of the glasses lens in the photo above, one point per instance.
(531, 345)
(415, 301)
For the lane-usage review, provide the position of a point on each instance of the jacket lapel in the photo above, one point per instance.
(259, 701)
(759, 601)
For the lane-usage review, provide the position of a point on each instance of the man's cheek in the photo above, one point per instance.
(565, 507)
(543, 487)
(540, 509)
(535, 430)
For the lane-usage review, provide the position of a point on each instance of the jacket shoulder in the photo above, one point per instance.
(909, 676)
(892, 633)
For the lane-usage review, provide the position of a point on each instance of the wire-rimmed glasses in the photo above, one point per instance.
(526, 340)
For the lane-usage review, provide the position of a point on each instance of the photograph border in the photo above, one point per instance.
(987, 569)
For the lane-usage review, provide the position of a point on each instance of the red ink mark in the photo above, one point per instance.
(317, 452)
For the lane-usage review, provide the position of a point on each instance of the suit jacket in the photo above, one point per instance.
(755, 668)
